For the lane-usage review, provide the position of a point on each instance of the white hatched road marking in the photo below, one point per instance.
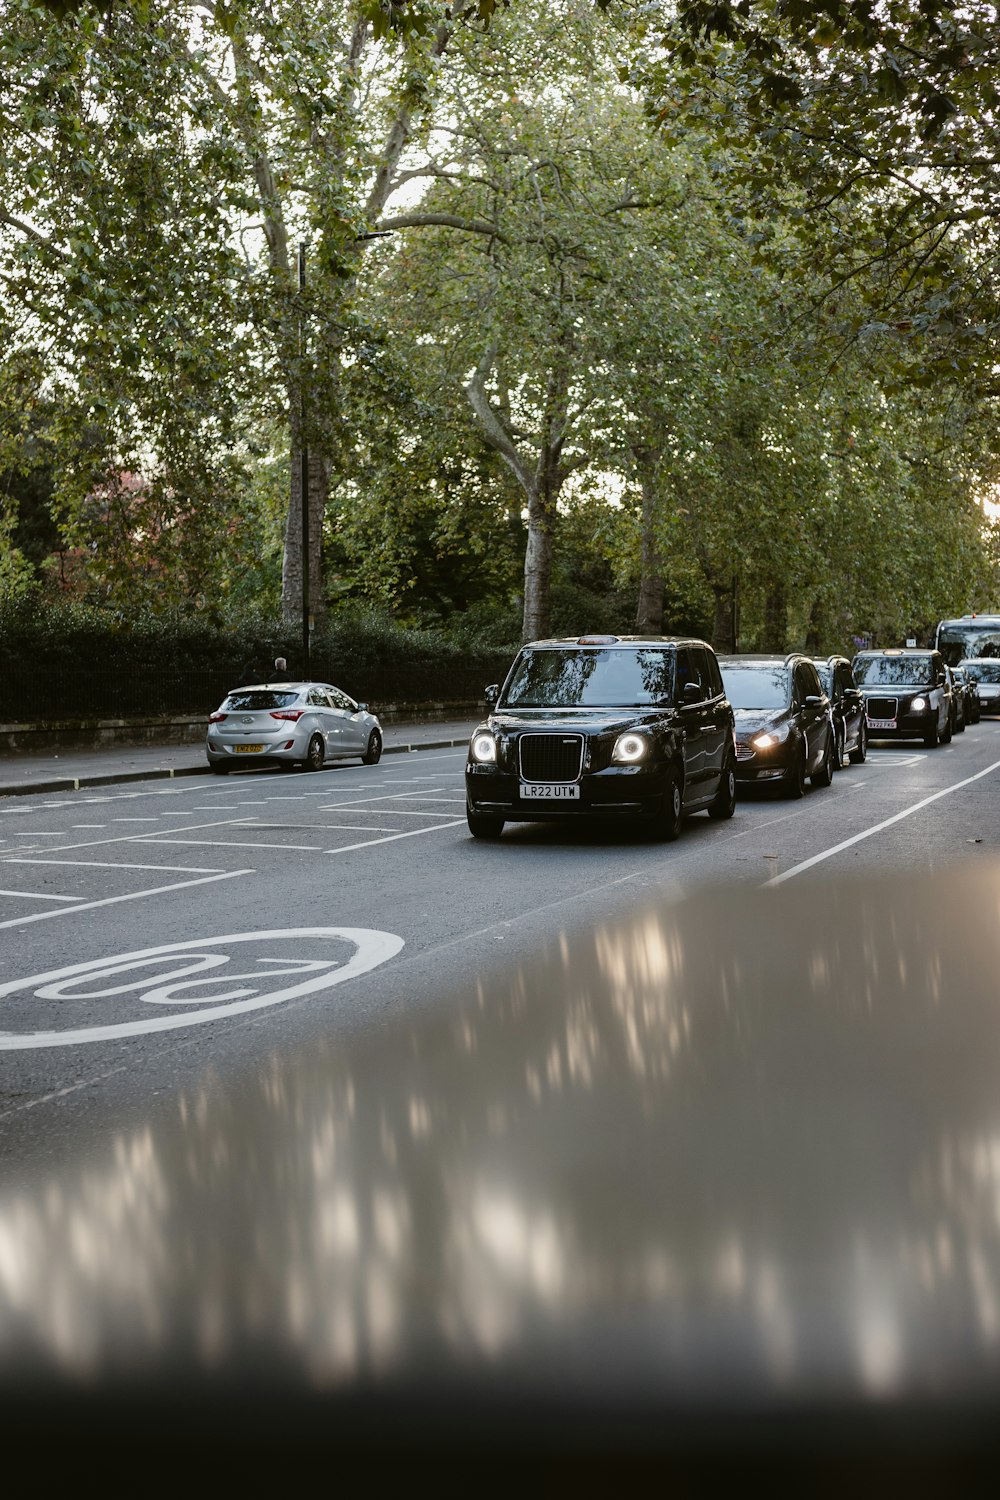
(38, 896)
(69, 911)
(409, 834)
(111, 864)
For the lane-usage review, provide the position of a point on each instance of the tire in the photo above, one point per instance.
(483, 825)
(793, 782)
(931, 737)
(824, 775)
(315, 754)
(218, 767)
(373, 754)
(723, 804)
(946, 734)
(858, 756)
(838, 754)
(960, 724)
(666, 826)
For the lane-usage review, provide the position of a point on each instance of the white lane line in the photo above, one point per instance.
(37, 896)
(409, 834)
(389, 797)
(142, 838)
(112, 864)
(160, 890)
(135, 820)
(88, 825)
(858, 838)
(222, 844)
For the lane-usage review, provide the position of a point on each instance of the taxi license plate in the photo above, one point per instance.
(881, 723)
(247, 749)
(534, 791)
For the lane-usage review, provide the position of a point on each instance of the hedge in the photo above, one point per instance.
(77, 662)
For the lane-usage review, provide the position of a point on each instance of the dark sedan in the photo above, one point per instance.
(847, 708)
(784, 727)
(604, 726)
(984, 673)
(907, 694)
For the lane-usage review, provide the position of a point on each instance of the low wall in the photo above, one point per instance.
(182, 729)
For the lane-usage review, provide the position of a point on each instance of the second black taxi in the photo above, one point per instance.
(634, 727)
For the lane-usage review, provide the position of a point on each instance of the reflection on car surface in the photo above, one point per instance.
(784, 728)
(907, 694)
(967, 686)
(634, 727)
(846, 706)
(305, 722)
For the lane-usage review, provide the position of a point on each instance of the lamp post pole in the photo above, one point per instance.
(304, 458)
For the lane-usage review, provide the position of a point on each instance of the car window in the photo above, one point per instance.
(586, 678)
(984, 671)
(845, 677)
(714, 675)
(701, 669)
(340, 700)
(810, 680)
(827, 677)
(259, 698)
(764, 684)
(316, 698)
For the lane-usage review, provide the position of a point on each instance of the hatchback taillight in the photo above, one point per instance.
(293, 714)
(217, 718)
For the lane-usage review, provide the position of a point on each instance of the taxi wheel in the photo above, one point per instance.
(314, 755)
(794, 781)
(373, 754)
(667, 823)
(483, 825)
(824, 775)
(946, 734)
(838, 754)
(858, 756)
(724, 803)
(931, 737)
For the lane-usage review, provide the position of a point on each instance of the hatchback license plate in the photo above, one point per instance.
(881, 723)
(247, 749)
(534, 791)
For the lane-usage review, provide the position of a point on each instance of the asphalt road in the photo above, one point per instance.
(160, 938)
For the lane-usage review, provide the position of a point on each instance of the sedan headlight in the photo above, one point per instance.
(629, 748)
(483, 748)
(771, 737)
(918, 705)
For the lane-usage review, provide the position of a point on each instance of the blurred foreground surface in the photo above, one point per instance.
(721, 1179)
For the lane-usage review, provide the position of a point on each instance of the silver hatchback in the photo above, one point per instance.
(290, 722)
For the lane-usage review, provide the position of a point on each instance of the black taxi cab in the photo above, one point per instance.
(633, 727)
(907, 694)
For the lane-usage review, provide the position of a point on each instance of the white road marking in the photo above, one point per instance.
(139, 838)
(111, 864)
(182, 885)
(222, 844)
(389, 797)
(858, 838)
(135, 820)
(409, 834)
(37, 896)
(371, 946)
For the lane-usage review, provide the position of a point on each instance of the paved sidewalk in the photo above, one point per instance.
(68, 770)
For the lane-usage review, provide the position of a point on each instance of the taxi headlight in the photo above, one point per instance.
(483, 749)
(918, 705)
(629, 748)
(771, 737)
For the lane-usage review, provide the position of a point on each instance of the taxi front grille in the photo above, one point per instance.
(551, 757)
(882, 708)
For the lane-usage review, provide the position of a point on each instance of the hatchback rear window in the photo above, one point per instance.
(591, 679)
(894, 671)
(258, 699)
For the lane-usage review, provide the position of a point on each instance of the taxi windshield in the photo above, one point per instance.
(587, 678)
(893, 671)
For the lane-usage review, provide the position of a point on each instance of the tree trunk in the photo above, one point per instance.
(291, 569)
(649, 615)
(724, 624)
(538, 562)
(776, 619)
(815, 632)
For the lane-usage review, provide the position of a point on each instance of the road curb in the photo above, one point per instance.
(172, 773)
